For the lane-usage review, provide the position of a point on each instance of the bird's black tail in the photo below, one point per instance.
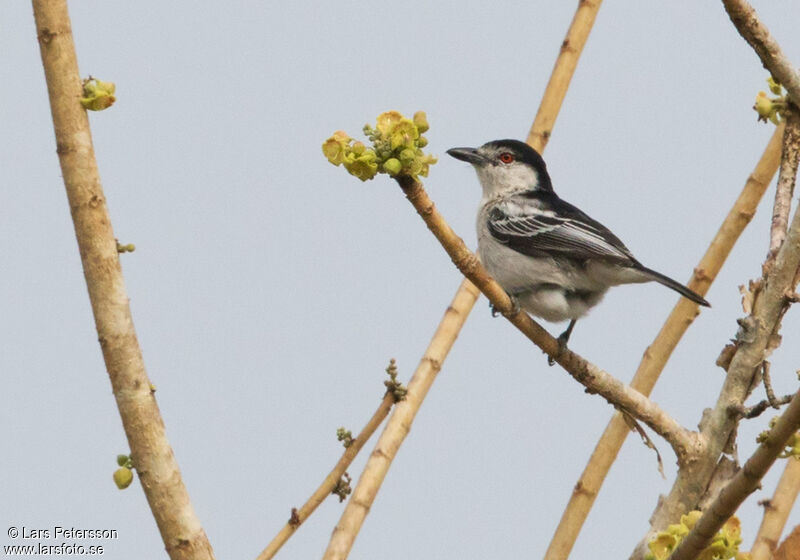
(677, 286)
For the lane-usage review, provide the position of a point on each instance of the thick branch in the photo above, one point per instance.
(748, 25)
(327, 486)
(741, 485)
(684, 442)
(719, 423)
(152, 456)
(657, 354)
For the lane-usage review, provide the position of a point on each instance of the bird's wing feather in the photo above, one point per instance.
(557, 229)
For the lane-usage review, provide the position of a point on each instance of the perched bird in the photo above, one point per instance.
(553, 260)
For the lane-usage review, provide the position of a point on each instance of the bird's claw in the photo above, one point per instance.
(515, 307)
(562, 347)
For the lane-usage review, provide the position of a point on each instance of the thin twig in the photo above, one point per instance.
(683, 441)
(400, 422)
(776, 511)
(151, 453)
(757, 409)
(753, 31)
(786, 180)
(656, 356)
(768, 385)
(741, 485)
(300, 515)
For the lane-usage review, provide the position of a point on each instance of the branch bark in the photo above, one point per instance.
(741, 486)
(400, 422)
(786, 181)
(152, 455)
(757, 35)
(657, 354)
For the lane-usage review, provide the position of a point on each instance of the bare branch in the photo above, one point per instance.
(563, 71)
(757, 35)
(151, 453)
(786, 181)
(300, 515)
(657, 354)
(741, 485)
(776, 511)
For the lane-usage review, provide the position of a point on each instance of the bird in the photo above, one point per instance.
(553, 260)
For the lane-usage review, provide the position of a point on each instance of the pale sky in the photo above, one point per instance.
(269, 289)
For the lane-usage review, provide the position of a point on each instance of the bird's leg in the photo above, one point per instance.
(515, 308)
(562, 340)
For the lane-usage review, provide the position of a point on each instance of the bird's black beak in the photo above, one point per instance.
(470, 155)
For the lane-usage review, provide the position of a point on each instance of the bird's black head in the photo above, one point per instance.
(506, 166)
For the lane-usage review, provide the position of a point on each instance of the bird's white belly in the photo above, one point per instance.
(554, 291)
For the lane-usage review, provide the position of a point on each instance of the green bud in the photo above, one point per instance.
(421, 121)
(392, 166)
(97, 95)
(407, 156)
(422, 142)
(363, 167)
(123, 460)
(763, 105)
(123, 477)
(774, 86)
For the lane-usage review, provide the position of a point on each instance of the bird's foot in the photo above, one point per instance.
(515, 307)
(562, 340)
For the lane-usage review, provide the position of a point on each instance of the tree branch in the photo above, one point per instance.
(684, 442)
(757, 35)
(399, 423)
(741, 485)
(152, 455)
(656, 356)
(786, 181)
(776, 512)
(327, 486)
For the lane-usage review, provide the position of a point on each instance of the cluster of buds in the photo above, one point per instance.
(724, 546)
(771, 108)
(397, 144)
(123, 476)
(792, 448)
(97, 95)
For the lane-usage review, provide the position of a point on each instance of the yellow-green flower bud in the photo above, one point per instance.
(774, 86)
(123, 460)
(387, 120)
(407, 156)
(363, 167)
(763, 105)
(422, 142)
(336, 147)
(392, 166)
(97, 95)
(421, 121)
(358, 148)
(123, 477)
(403, 134)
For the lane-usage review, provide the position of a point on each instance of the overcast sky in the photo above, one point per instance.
(269, 289)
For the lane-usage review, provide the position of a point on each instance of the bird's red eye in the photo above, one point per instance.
(505, 157)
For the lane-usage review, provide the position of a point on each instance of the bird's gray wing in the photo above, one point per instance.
(558, 229)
